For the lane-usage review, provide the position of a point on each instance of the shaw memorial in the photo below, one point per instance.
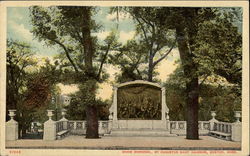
(139, 108)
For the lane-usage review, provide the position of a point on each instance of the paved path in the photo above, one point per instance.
(106, 142)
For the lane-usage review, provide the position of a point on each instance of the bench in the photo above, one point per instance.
(221, 135)
(61, 134)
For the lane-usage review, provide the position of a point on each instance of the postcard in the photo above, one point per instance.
(124, 78)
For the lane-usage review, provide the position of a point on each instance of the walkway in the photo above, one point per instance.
(130, 143)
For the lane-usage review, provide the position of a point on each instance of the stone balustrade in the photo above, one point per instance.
(103, 127)
(78, 127)
(222, 130)
(59, 126)
(224, 127)
(53, 129)
(179, 127)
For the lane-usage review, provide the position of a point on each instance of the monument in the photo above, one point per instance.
(139, 108)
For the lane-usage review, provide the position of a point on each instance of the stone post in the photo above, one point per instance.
(115, 104)
(11, 127)
(110, 123)
(164, 109)
(49, 128)
(236, 128)
(101, 128)
(213, 120)
(64, 120)
(163, 105)
(115, 122)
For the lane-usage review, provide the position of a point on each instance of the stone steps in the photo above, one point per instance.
(140, 132)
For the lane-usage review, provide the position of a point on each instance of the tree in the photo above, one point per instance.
(28, 85)
(188, 23)
(37, 97)
(156, 40)
(130, 58)
(19, 58)
(69, 28)
(77, 108)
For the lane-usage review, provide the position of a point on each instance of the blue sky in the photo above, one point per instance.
(18, 28)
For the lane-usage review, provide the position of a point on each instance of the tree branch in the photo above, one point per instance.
(164, 56)
(67, 54)
(144, 32)
(204, 79)
(149, 23)
(138, 71)
(103, 60)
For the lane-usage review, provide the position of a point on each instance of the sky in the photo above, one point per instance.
(19, 28)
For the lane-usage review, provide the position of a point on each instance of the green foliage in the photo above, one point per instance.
(19, 58)
(76, 109)
(69, 28)
(175, 95)
(218, 49)
(130, 58)
(79, 101)
(214, 96)
(29, 86)
(41, 86)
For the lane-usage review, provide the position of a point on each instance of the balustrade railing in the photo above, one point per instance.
(59, 126)
(79, 127)
(103, 127)
(211, 127)
(179, 127)
(204, 125)
(182, 125)
(223, 127)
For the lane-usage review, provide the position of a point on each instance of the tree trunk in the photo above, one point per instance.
(192, 109)
(192, 86)
(91, 111)
(92, 122)
(87, 41)
(150, 74)
(150, 69)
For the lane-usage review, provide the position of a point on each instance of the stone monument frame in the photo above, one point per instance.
(139, 124)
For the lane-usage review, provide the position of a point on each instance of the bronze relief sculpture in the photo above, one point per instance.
(139, 101)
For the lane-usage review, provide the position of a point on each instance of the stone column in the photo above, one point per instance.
(64, 120)
(11, 127)
(236, 128)
(49, 128)
(213, 120)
